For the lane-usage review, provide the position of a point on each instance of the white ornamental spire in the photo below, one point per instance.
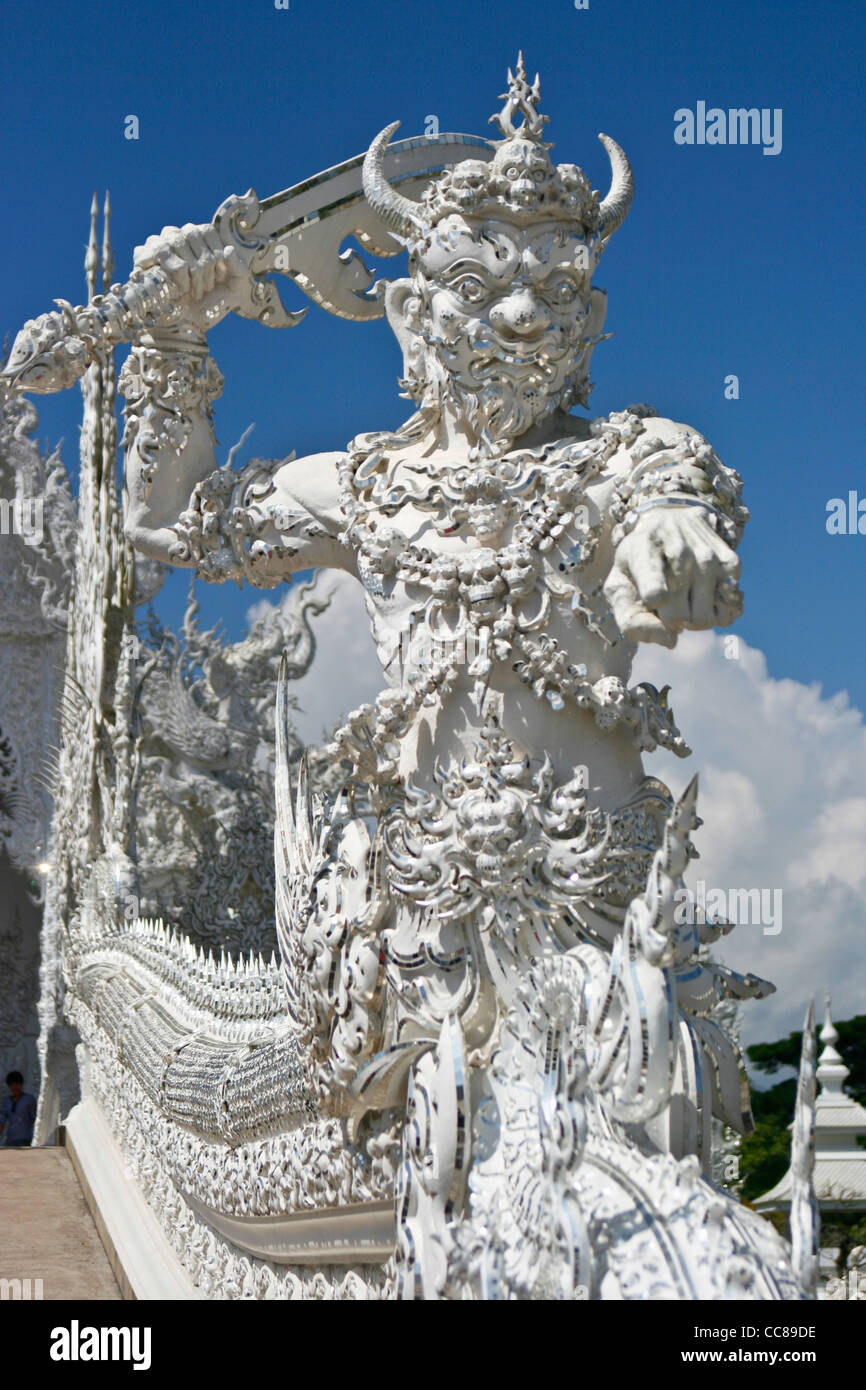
(107, 253)
(91, 259)
(832, 1072)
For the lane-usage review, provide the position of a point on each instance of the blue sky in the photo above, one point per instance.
(730, 262)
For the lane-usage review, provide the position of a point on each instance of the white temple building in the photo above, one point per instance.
(840, 1162)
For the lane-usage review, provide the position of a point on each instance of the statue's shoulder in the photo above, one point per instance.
(631, 435)
(669, 432)
(626, 426)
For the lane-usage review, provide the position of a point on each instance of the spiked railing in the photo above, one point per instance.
(235, 993)
(207, 1041)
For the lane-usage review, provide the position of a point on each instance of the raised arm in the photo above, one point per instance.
(260, 523)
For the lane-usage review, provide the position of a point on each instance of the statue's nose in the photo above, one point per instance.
(520, 315)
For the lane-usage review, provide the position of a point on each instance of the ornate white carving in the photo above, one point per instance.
(805, 1214)
(203, 782)
(491, 1012)
(35, 574)
(587, 1052)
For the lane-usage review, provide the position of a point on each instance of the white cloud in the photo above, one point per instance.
(782, 772)
(345, 672)
(782, 777)
(839, 851)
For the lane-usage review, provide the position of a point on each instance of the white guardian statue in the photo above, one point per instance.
(496, 1064)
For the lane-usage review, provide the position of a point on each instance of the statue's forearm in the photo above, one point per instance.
(185, 510)
(169, 383)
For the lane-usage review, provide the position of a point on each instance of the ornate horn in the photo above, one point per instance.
(615, 206)
(401, 214)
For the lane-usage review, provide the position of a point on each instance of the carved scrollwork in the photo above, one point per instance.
(162, 382)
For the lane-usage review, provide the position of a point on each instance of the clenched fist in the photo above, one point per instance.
(673, 571)
(209, 276)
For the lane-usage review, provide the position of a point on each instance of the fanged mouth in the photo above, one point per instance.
(487, 348)
(541, 357)
(526, 369)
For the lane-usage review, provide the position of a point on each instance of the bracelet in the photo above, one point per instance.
(630, 520)
(219, 527)
(687, 474)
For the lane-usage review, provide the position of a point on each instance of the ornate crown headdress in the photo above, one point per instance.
(520, 182)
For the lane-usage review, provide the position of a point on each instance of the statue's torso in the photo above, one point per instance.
(488, 599)
(494, 569)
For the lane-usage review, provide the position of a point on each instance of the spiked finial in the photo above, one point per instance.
(107, 253)
(828, 1032)
(523, 98)
(832, 1071)
(91, 259)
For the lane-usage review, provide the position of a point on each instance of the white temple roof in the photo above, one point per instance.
(836, 1180)
(840, 1163)
(841, 1117)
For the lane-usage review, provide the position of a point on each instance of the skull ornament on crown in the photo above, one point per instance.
(498, 318)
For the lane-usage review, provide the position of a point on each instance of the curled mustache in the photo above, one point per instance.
(490, 351)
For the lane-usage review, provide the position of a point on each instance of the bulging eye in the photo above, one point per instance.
(470, 289)
(562, 291)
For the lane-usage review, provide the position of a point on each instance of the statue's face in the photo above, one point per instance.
(503, 312)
